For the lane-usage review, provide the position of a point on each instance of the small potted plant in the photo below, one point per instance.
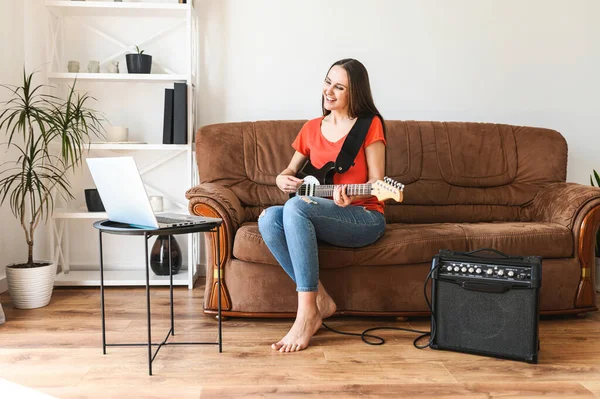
(139, 62)
(596, 177)
(33, 181)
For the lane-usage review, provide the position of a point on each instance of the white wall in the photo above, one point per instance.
(534, 62)
(12, 239)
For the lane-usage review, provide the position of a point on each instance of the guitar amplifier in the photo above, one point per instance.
(486, 305)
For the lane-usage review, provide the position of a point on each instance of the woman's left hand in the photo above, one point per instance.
(340, 198)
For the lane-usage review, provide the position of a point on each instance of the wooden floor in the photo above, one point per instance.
(57, 350)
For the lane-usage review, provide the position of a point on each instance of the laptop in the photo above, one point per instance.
(125, 199)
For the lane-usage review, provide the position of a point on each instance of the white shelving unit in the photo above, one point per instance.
(123, 77)
(69, 7)
(83, 278)
(179, 21)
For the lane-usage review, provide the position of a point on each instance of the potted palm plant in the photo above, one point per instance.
(32, 183)
(596, 177)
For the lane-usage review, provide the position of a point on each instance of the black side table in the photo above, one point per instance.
(106, 226)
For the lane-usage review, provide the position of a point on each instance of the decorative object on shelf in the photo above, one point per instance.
(117, 134)
(73, 66)
(32, 182)
(2, 316)
(113, 67)
(159, 256)
(180, 111)
(168, 117)
(139, 63)
(156, 202)
(93, 200)
(94, 67)
(596, 177)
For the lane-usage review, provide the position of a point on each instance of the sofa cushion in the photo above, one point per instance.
(404, 151)
(418, 243)
(476, 154)
(550, 240)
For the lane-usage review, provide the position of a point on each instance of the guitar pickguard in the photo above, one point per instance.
(310, 179)
(324, 175)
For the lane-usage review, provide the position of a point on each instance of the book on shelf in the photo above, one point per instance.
(180, 113)
(168, 118)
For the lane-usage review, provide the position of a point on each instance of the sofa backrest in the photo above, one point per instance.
(453, 171)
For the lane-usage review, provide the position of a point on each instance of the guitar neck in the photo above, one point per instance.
(326, 190)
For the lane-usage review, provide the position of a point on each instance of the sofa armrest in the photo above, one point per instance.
(562, 202)
(214, 200)
(576, 207)
(218, 197)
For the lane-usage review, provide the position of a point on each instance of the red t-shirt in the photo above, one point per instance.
(311, 143)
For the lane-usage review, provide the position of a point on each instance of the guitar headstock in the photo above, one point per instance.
(388, 189)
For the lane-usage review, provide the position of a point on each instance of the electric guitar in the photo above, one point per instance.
(319, 183)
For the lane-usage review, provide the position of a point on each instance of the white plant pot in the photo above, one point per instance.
(31, 288)
(597, 274)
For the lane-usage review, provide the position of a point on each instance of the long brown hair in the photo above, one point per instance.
(360, 99)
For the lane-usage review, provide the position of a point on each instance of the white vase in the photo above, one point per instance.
(31, 287)
(597, 274)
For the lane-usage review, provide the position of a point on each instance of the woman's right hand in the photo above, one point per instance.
(288, 183)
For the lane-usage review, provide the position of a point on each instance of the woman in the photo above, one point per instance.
(291, 231)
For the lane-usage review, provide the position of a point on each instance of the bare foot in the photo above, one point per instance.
(325, 303)
(305, 326)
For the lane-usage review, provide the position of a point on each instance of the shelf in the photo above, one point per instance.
(142, 147)
(119, 77)
(109, 8)
(117, 278)
(131, 147)
(61, 213)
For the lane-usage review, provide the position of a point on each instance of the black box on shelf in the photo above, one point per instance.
(180, 113)
(168, 117)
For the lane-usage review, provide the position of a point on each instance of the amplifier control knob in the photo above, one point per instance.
(500, 272)
(449, 268)
(464, 269)
(478, 271)
(456, 268)
(489, 271)
(471, 270)
(511, 273)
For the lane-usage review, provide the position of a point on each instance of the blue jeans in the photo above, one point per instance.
(291, 233)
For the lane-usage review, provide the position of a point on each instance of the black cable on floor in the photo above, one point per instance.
(380, 341)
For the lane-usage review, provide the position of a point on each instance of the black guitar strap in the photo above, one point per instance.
(352, 144)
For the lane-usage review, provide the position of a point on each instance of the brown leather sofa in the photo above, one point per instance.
(468, 186)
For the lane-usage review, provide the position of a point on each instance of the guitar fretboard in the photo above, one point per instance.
(326, 190)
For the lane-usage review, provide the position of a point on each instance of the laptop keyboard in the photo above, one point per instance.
(166, 220)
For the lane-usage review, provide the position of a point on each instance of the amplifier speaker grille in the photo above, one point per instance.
(487, 323)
